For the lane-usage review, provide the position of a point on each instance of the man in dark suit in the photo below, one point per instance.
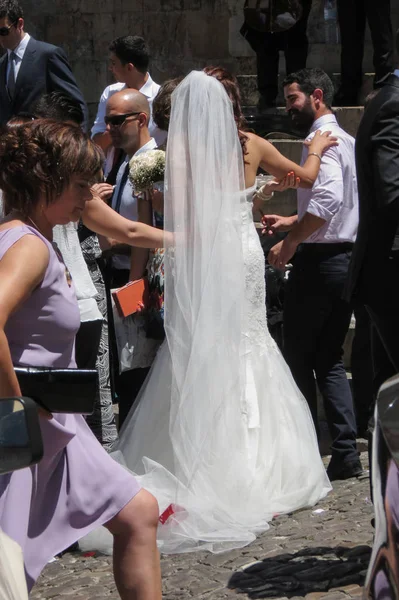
(374, 269)
(29, 68)
(352, 17)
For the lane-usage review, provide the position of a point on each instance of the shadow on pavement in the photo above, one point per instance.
(309, 570)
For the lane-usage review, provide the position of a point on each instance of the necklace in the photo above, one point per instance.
(57, 251)
(39, 230)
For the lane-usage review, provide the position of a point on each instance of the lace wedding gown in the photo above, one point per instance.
(262, 454)
(221, 434)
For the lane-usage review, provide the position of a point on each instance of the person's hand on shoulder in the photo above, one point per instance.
(321, 142)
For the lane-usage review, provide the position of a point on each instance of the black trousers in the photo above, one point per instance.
(352, 17)
(293, 42)
(380, 291)
(316, 321)
(362, 369)
(382, 301)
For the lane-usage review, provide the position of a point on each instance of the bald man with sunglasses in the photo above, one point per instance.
(127, 117)
(29, 68)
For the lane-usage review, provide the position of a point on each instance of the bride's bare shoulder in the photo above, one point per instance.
(249, 135)
(255, 142)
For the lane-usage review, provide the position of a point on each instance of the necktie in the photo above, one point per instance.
(121, 188)
(11, 76)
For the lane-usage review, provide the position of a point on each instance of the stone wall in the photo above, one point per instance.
(183, 34)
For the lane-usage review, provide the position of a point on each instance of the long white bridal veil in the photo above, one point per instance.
(179, 438)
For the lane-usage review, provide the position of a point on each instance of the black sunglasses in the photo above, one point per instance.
(4, 31)
(118, 120)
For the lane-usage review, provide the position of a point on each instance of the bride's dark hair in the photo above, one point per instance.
(231, 86)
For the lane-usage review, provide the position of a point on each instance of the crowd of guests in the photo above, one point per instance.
(70, 211)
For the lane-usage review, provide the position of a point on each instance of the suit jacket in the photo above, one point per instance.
(377, 165)
(44, 69)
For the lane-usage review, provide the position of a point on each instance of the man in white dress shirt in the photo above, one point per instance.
(321, 235)
(129, 61)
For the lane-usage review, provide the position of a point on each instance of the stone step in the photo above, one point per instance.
(250, 94)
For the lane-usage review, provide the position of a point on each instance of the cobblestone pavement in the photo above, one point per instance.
(321, 553)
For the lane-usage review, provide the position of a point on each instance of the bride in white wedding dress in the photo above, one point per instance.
(220, 434)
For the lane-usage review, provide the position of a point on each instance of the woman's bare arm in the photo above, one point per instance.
(22, 269)
(103, 220)
(275, 163)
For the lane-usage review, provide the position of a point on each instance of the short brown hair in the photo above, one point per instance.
(40, 157)
(161, 107)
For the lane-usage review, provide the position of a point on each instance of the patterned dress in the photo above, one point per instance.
(102, 421)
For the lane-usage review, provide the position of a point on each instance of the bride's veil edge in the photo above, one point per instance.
(204, 273)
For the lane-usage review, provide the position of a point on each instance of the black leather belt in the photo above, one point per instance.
(334, 247)
(326, 248)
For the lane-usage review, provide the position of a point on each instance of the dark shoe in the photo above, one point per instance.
(346, 471)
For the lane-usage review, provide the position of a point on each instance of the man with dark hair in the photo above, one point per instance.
(352, 17)
(29, 68)
(60, 107)
(374, 268)
(308, 80)
(129, 61)
(316, 318)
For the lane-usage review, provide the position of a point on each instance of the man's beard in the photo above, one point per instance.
(304, 118)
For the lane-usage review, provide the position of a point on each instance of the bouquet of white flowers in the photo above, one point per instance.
(147, 170)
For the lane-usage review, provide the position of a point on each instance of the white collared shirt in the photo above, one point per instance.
(334, 196)
(396, 72)
(19, 52)
(149, 89)
(128, 203)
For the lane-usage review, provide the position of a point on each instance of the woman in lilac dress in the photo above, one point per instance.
(46, 170)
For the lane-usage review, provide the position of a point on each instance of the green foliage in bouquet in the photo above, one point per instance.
(146, 169)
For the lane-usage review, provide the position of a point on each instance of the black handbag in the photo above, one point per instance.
(60, 390)
(272, 16)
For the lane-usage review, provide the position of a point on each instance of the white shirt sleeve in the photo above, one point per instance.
(328, 189)
(99, 124)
